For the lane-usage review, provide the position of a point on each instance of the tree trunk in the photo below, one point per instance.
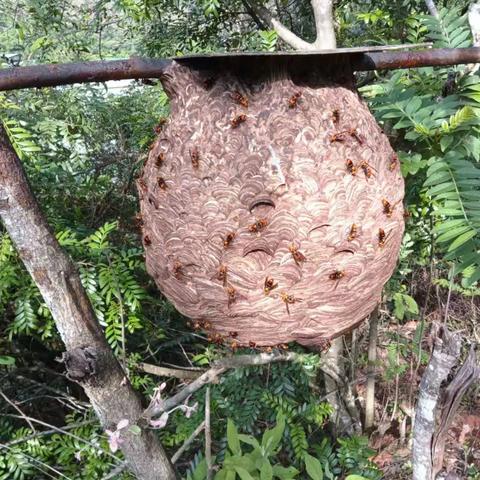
(444, 357)
(89, 360)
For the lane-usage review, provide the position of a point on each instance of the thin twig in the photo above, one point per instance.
(59, 430)
(18, 410)
(450, 286)
(43, 433)
(113, 473)
(187, 442)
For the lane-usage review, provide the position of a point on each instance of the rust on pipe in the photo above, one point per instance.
(361, 59)
(52, 75)
(425, 58)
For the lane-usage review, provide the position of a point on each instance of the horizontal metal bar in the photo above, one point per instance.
(52, 75)
(425, 58)
(136, 67)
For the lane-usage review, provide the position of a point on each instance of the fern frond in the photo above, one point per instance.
(21, 139)
(453, 186)
(449, 30)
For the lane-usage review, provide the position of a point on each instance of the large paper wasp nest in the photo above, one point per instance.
(272, 209)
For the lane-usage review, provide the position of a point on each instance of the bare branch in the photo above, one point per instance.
(432, 8)
(251, 11)
(81, 72)
(30, 424)
(116, 471)
(43, 433)
(157, 407)
(474, 21)
(53, 428)
(84, 72)
(372, 361)
(444, 357)
(188, 442)
(170, 372)
(467, 374)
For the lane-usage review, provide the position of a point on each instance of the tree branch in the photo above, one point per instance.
(188, 442)
(251, 11)
(169, 372)
(323, 13)
(432, 8)
(158, 406)
(474, 21)
(282, 31)
(208, 436)
(89, 359)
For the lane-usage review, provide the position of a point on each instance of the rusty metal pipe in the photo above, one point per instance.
(438, 57)
(52, 75)
(136, 67)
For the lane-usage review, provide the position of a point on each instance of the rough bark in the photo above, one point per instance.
(444, 357)
(464, 377)
(88, 358)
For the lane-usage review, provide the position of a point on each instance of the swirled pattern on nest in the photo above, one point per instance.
(272, 210)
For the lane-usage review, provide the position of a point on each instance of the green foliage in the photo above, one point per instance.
(450, 29)
(80, 451)
(82, 147)
(268, 40)
(442, 140)
(257, 463)
(404, 305)
(354, 454)
(250, 458)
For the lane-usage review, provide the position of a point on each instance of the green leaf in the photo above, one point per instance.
(465, 237)
(200, 471)
(266, 471)
(271, 438)
(243, 474)
(248, 439)
(232, 438)
(135, 429)
(453, 233)
(445, 142)
(413, 106)
(285, 473)
(6, 360)
(313, 467)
